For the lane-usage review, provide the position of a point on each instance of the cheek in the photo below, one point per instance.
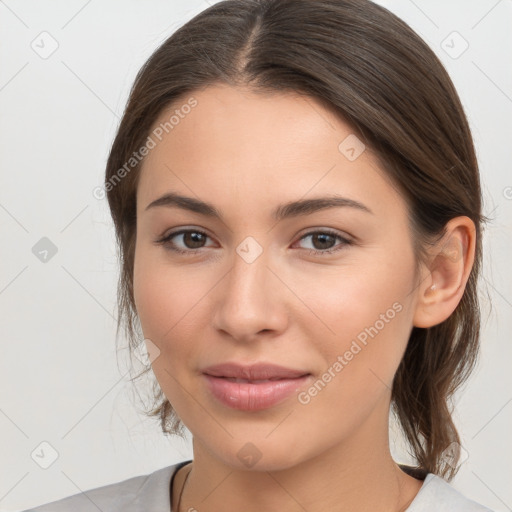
(165, 298)
(370, 320)
(364, 313)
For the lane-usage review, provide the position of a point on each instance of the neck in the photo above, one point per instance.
(358, 474)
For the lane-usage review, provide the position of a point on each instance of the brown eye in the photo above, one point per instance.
(191, 241)
(323, 242)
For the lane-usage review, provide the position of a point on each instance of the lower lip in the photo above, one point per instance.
(254, 396)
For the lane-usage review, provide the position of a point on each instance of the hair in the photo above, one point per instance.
(370, 68)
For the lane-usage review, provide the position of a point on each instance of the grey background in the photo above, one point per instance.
(60, 381)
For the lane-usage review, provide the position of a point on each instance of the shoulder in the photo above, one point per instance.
(146, 493)
(438, 495)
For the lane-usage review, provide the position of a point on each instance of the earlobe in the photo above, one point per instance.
(449, 267)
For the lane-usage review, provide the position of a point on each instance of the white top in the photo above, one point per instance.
(151, 493)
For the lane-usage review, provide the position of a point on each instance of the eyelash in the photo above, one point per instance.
(166, 241)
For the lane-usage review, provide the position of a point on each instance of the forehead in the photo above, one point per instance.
(235, 118)
(240, 144)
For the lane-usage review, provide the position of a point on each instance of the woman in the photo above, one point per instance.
(297, 203)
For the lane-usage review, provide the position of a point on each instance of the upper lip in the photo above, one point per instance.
(258, 371)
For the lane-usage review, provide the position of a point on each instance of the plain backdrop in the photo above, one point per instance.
(66, 69)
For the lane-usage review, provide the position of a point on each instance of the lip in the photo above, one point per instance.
(258, 371)
(253, 387)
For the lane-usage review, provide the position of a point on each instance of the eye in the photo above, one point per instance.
(190, 237)
(322, 241)
(193, 241)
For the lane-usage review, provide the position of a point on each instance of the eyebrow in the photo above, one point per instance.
(284, 211)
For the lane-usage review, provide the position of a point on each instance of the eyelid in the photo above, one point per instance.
(327, 231)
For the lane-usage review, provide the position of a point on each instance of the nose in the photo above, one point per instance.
(250, 301)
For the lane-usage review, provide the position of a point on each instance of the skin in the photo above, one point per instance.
(247, 153)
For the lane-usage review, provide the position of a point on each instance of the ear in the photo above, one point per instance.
(445, 277)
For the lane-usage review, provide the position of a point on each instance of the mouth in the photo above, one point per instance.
(252, 381)
(253, 372)
(255, 387)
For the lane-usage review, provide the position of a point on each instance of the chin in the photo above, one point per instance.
(258, 453)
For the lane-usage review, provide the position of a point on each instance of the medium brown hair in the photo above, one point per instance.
(377, 74)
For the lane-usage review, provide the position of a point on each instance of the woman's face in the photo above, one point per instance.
(251, 289)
